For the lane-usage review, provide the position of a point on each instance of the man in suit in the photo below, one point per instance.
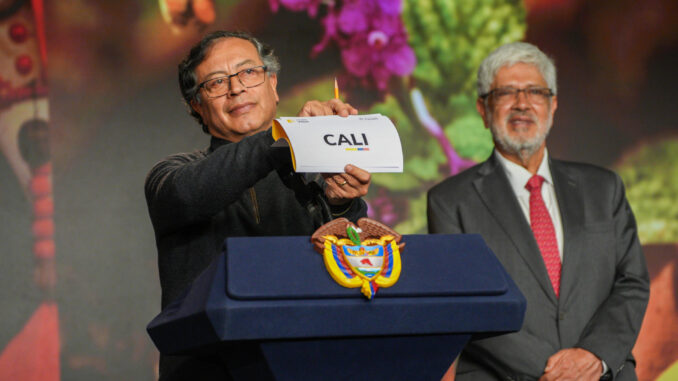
(564, 231)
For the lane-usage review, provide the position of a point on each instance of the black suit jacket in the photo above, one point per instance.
(604, 282)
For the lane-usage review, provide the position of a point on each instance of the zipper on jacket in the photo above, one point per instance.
(255, 205)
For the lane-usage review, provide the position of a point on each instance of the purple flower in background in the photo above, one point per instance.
(376, 45)
(297, 5)
(331, 33)
(390, 25)
(379, 55)
(369, 33)
(381, 208)
(390, 7)
(357, 16)
(353, 19)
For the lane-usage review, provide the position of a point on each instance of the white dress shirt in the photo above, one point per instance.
(518, 177)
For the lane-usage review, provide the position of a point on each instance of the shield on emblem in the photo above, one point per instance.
(365, 261)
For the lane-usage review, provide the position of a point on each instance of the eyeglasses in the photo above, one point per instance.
(250, 77)
(534, 95)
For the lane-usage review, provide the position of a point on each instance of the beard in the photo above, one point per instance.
(522, 146)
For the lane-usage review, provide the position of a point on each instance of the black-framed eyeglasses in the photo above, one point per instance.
(534, 95)
(219, 86)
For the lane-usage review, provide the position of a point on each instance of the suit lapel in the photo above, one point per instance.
(571, 205)
(495, 191)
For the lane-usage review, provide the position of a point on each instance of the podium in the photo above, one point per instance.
(276, 292)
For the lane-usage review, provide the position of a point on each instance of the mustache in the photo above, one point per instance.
(522, 114)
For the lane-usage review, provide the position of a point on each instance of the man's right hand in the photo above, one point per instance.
(572, 364)
(331, 107)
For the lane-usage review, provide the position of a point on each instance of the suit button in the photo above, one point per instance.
(561, 316)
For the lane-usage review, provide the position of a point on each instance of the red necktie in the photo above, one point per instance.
(544, 232)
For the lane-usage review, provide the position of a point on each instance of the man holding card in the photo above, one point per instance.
(239, 185)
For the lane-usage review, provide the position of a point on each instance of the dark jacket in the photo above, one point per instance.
(604, 285)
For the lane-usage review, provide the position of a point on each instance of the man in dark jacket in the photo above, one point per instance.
(239, 185)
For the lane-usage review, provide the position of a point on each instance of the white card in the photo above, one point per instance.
(326, 144)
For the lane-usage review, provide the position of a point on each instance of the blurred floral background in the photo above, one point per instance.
(89, 102)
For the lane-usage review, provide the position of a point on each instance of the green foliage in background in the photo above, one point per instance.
(292, 102)
(651, 178)
(422, 155)
(450, 39)
(467, 132)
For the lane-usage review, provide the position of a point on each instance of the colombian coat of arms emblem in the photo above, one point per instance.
(365, 256)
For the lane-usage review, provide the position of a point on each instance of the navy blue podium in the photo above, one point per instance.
(275, 291)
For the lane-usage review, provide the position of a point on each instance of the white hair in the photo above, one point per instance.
(511, 54)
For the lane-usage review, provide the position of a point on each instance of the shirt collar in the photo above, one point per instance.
(216, 143)
(518, 175)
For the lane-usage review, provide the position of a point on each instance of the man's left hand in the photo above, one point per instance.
(572, 364)
(342, 187)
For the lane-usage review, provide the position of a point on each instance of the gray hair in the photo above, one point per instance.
(511, 54)
(188, 82)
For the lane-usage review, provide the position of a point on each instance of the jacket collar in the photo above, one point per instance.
(571, 204)
(495, 191)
